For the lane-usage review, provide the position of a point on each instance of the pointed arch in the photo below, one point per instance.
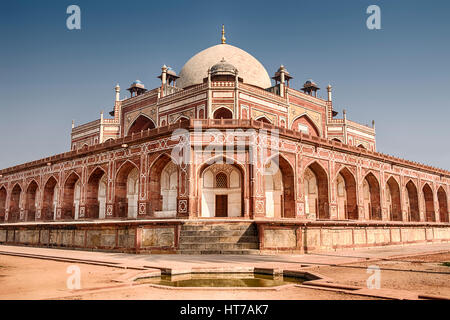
(223, 113)
(31, 200)
(181, 118)
(306, 125)
(393, 199)
(372, 203)
(50, 198)
(221, 202)
(14, 203)
(346, 194)
(443, 207)
(163, 185)
(316, 191)
(263, 119)
(71, 196)
(96, 194)
(3, 196)
(141, 122)
(126, 191)
(429, 203)
(412, 201)
(279, 184)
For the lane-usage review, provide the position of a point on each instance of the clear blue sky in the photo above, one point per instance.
(399, 76)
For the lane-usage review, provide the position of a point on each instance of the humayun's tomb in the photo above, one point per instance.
(223, 158)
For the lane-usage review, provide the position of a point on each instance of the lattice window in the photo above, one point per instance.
(221, 180)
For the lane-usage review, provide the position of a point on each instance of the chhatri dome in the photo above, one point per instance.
(250, 70)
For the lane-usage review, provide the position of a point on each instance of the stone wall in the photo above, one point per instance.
(120, 237)
(274, 236)
(322, 237)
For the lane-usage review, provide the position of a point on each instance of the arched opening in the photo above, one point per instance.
(346, 195)
(127, 188)
(316, 191)
(443, 209)
(71, 197)
(223, 113)
(305, 125)
(2, 203)
(163, 187)
(141, 123)
(31, 201)
(14, 204)
(50, 200)
(182, 118)
(429, 203)
(336, 139)
(371, 189)
(393, 200)
(96, 195)
(221, 191)
(412, 202)
(361, 146)
(264, 119)
(279, 189)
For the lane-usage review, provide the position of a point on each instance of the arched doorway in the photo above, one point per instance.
(393, 200)
(305, 125)
(429, 203)
(96, 194)
(315, 184)
(346, 195)
(141, 123)
(50, 199)
(443, 209)
(223, 113)
(371, 189)
(31, 201)
(14, 204)
(412, 202)
(221, 191)
(127, 188)
(279, 188)
(71, 197)
(163, 187)
(2, 203)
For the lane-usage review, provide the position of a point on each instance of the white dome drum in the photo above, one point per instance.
(250, 70)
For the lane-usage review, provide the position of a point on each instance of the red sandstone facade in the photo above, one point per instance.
(328, 167)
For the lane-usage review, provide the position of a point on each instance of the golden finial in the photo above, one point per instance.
(223, 34)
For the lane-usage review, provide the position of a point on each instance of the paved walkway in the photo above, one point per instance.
(178, 262)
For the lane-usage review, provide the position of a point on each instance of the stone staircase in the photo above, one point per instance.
(218, 238)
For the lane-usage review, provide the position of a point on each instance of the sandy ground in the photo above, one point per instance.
(31, 278)
(27, 278)
(424, 274)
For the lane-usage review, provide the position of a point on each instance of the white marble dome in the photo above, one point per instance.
(250, 70)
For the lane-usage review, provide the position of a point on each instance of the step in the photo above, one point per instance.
(218, 239)
(216, 233)
(216, 227)
(218, 246)
(236, 252)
